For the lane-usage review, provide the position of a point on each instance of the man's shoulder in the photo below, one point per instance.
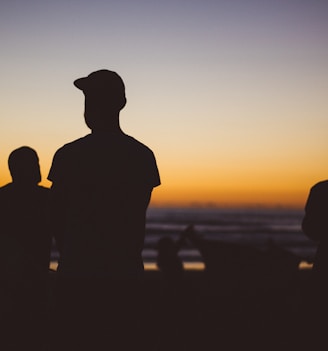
(73, 145)
(65, 155)
(318, 195)
(91, 147)
(10, 187)
(5, 188)
(89, 140)
(320, 186)
(143, 158)
(133, 141)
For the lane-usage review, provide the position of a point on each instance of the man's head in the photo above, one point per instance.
(24, 166)
(104, 93)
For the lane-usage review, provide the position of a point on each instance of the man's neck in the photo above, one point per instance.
(109, 124)
(107, 128)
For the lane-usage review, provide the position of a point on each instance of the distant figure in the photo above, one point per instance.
(168, 260)
(232, 260)
(101, 188)
(25, 242)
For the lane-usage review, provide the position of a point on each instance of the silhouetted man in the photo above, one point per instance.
(25, 243)
(315, 226)
(101, 185)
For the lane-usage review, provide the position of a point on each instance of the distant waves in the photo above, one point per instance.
(253, 227)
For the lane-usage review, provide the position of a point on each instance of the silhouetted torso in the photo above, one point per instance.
(25, 238)
(315, 224)
(103, 184)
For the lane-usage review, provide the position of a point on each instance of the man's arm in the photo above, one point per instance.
(57, 215)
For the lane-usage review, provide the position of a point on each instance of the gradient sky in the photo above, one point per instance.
(230, 95)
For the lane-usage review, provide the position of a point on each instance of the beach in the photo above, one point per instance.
(203, 312)
(207, 314)
(231, 307)
(237, 305)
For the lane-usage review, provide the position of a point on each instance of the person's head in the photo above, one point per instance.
(104, 93)
(24, 166)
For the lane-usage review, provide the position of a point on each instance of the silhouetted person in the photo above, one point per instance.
(25, 242)
(315, 226)
(168, 260)
(101, 188)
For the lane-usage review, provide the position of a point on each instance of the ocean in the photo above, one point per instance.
(257, 227)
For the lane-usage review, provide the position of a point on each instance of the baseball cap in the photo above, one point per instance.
(105, 82)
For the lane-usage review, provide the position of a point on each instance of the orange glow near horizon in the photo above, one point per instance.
(224, 197)
(223, 191)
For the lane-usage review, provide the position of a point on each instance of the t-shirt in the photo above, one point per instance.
(315, 224)
(25, 237)
(315, 221)
(101, 190)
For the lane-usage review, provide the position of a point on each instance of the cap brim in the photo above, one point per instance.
(80, 83)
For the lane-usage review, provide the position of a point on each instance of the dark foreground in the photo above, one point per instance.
(234, 313)
(198, 312)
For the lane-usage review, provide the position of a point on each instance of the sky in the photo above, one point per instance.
(230, 95)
